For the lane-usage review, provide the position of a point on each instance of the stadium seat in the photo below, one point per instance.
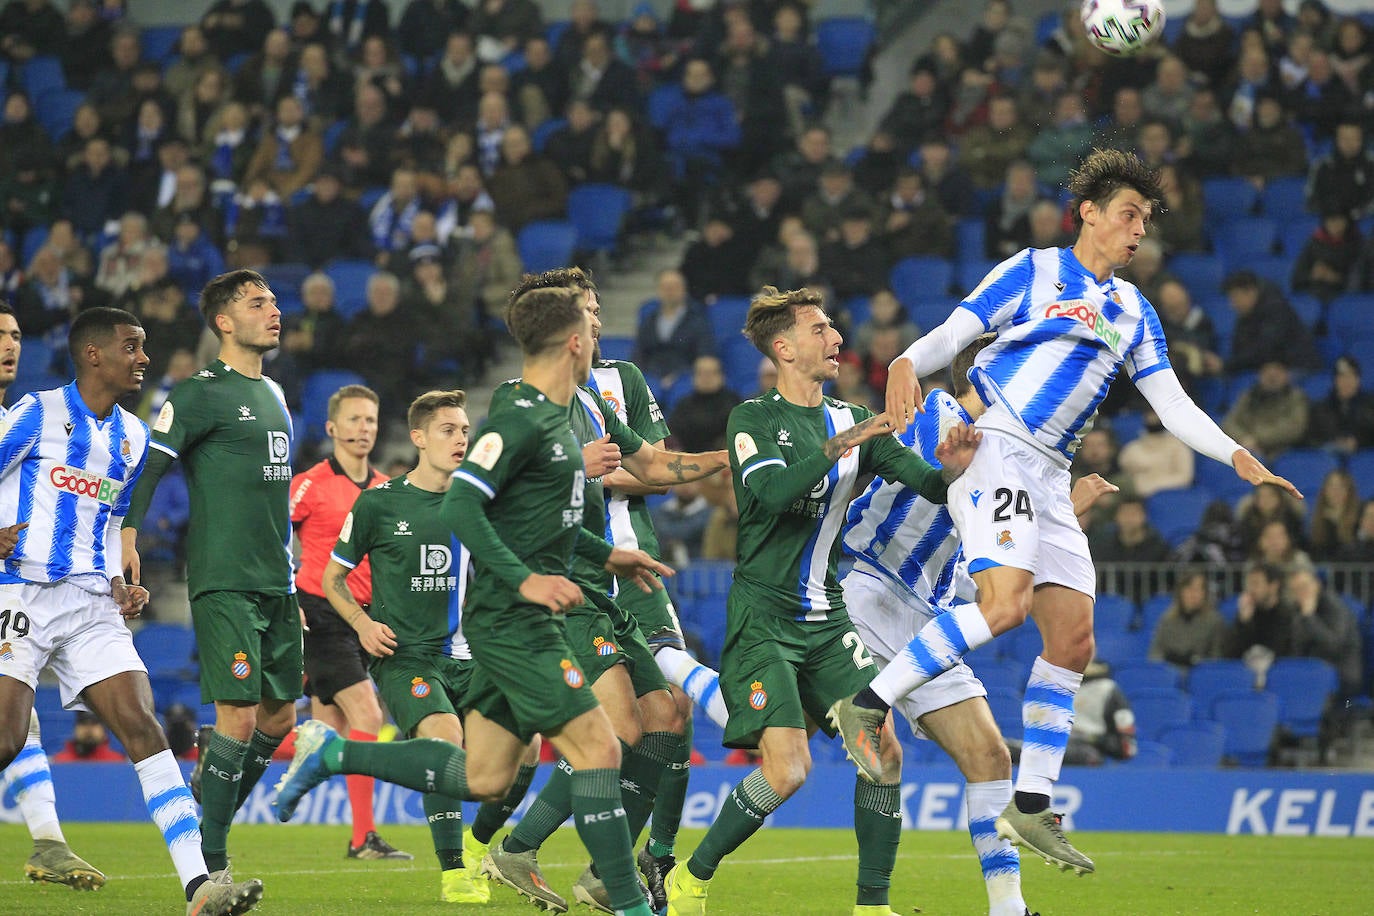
(920, 279)
(1348, 316)
(35, 357)
(969, 273)
(159, 42)
(726, 315)
(1177, 513)
(970, 240)
(315, 392)
(1200, 273)
(1361, 467)
(1294, 233)
(1304, 686)
(617, 348)
(1157, 708)
(1122, 646)
(856, 311)
(1306, 468)
(659, 105)
(1309, 309)
(598, 211)
(1113, 613)
(1022, 645)
(56, 109)
(1214, 676)
(1134, 677)
(741, 362)
(539, 137)
(350, 285)
(1241, 239)
(26, 384)
(546, 245)
(1284, 198)
(1277, 269)
(1249, 717)
(332, 134)
(1005, 676)
(1197, 744)
(1225, 199)
(1156, 606)
(167, 650)
(286, 278)
(931, 313)
(843, 43)
(34, 239)
(1006, 712)
(1128, 425)
(41, 74)
(1151, 754)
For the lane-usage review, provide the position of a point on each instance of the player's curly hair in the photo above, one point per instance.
(224, 289)
(562, 277)
(772, 312)
(423, 408)
(1107, 171)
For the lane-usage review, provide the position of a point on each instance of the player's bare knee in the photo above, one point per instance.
(787, 774)
(984, 758)
(630, 732)
(660, 713)
(1006, 610)
(11, 743)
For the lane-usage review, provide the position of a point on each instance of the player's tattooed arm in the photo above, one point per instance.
(376, 637)
(663, 468)
(857, 434)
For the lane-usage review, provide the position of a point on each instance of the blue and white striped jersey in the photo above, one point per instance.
(905, 536)
(1061, 338)
(69, 475)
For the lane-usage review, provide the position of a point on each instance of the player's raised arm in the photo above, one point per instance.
(658, 467)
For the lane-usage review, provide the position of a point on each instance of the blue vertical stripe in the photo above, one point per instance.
(28, 482)
(65, 513)
(832, 476)
(455, 597)
(1063, 380)
(115, 470)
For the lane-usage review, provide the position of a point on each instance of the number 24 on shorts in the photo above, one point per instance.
(1007, 502)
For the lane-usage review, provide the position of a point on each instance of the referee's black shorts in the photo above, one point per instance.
(334, 658)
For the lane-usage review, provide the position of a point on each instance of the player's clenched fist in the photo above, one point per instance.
(557, 593)
(638, 567)
(601, 456)
(955, 453)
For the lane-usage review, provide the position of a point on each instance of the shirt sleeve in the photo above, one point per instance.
(302, 497)
(1150, 353)
(1002, 291)
(23, 428)
(355, 537)
(758, 464)
(179, 425)
(891, 460)
(499, 453)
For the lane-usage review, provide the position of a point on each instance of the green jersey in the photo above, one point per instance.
(518, 499)
(590, 418)
(419, 569)
(792, 499)
(232, 435)
(625, 391)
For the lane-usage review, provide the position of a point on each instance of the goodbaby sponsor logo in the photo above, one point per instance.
(84, 483)
(1084, 311)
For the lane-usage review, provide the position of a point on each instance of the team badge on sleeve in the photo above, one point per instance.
(571, 674)
(745, 447)
(346, 531)
(240, 668)
(418, 688)
(487, 451)
(165, 416)
(758, 697)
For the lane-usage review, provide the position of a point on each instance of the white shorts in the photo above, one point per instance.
(78, 635)
(1012, 508)
(887, 616)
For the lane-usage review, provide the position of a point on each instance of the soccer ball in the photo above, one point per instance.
(1122, 27)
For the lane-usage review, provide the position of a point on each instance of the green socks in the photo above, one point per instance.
(423, 764)
(445, 816)
(219, 796)
(491, 816)
(600, 820)
(549, 809)
(642, 767)
(260, 750)
(878, 826)
(740, 817)
(672, 794)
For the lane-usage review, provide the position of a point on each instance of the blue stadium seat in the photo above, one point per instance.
(1225, 199)
(546, 245)
(1122, 646)
(35, 357)
(598, 211)
(1006, 712)
(1128, 425)
(1200, 273)
(41, 74)
(617, 348)
(539, 137)
(1361, 467)
(1249, 717)
(1176, 513)
(741, 362)
(1294, 233)
(1151, 754)
(1306, 468)
(1284, 198)
(56, 109)
(1309, 308)
(1022, 645)
(1113, 613)
(726, 315)
(1157, 708)
(969, 273)
(920, 279)
(857, 310)
(167, 649)
(1156, 606)
(1244, 238)
(659, 105)
(285, 279)
(332, 134)
(34, 239)
(369, 197)
(350, 284)
(315, 392)
(27, 384)
(970, 237)
(1197, 744)
(1211, 677)
(1348, 316)
(931, 313)
(1277, 269)
(1045, 27)
(1002, 676)
(1304, 687)
(159, 42)
(1134, 677)
(1218, 478)
(843, 43)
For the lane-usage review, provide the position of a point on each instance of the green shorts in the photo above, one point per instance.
(525, 675)
(249, 645)
(604, 636)
(776, 671)
(654, 612)
(418, 684)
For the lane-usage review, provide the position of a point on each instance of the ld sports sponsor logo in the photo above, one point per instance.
(84, 483)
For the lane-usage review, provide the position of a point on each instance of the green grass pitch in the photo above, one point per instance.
(776, 872)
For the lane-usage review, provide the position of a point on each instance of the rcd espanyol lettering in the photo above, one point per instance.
(84, 483)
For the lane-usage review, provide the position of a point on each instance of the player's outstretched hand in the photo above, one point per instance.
(1251, 470)
(131, 599)
(1089, 490)
(9, 538)
(601, 457)
(956, 452)
(557, 593)
(903, 392)
(377, 638)
(128, 538)
(638, 567)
